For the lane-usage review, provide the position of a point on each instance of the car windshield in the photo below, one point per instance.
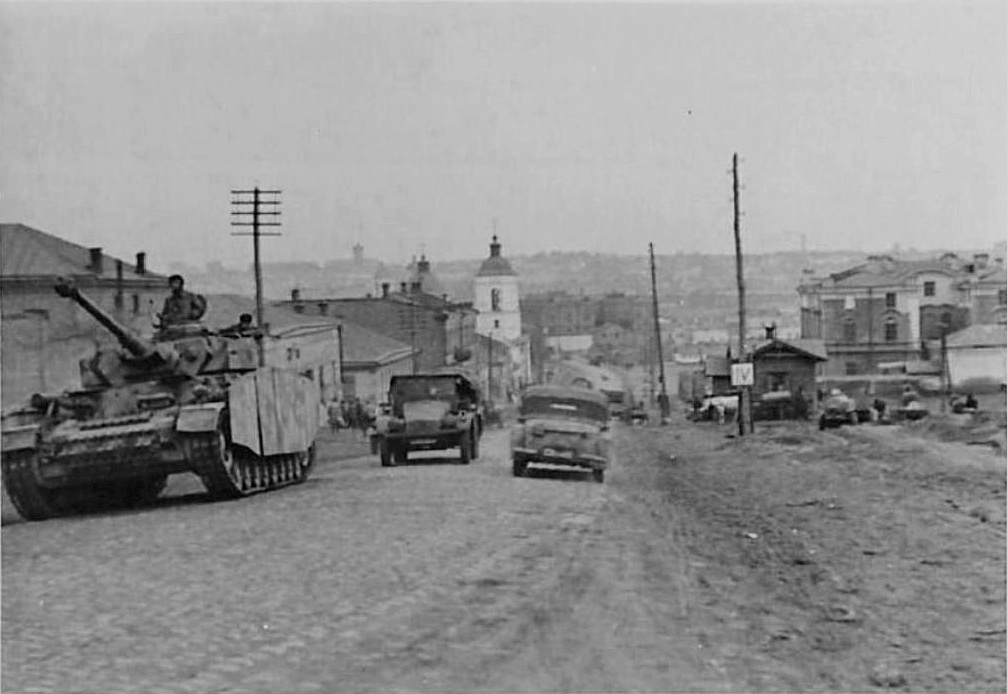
(410, 390)
(563, 407)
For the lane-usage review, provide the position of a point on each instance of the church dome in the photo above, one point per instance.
(496, 265)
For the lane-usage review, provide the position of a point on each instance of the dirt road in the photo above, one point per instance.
(794, 560)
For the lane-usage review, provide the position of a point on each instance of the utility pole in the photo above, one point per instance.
(489, 368)
(662, 399)
(240, 202)
(744, 396)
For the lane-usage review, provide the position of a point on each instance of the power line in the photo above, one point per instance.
(242, 216)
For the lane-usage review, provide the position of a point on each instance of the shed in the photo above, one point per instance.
(785, 374)
(717, 375)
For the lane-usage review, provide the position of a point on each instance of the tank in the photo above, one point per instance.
(187, 400)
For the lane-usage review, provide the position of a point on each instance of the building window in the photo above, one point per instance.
(849, 332)
(494, 299)
(136, 303)
(891, 331)
(929, 289)
(496, 324)
(852, 368)
(890, 299)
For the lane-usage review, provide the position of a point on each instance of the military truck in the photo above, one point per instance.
(429, 412)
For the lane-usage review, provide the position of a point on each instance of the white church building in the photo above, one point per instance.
(498, 302)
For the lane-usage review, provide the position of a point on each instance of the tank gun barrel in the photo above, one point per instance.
(133, 344)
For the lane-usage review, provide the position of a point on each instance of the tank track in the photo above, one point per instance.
(229, 476)
(31, 501)
(35, 502)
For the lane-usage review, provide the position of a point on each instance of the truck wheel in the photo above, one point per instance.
(386, 454)
(518, 467)
(821, 423)
(401, 454)
(465, 448)
(599, 475)
(854, 419)
(475, 443)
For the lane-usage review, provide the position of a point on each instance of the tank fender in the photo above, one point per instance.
(20, 438)
(199, 418)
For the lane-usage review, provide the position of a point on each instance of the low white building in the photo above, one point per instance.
(977, 358)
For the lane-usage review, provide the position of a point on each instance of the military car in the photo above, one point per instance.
(564, 426)
(429, 412)
(838, 409)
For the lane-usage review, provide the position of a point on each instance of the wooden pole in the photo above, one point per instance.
(662, 400)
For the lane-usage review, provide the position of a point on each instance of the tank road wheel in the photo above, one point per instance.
(220, 468)
(33, 502)
(465, 448)
(385, 451)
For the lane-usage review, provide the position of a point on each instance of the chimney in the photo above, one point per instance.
(981, 260)
(118, 285)
(97, 260)
(141, 263)
(423, 267)
(385, 286)
(295, 295)
(770, 331)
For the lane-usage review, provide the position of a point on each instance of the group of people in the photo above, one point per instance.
(350, 413)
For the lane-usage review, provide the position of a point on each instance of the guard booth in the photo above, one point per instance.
(784, 378)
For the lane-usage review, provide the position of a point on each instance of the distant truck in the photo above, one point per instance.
(429, 412)
(838, 409)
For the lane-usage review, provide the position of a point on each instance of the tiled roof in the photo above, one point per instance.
(27, 252)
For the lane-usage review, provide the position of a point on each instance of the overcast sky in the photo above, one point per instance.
(597, 127)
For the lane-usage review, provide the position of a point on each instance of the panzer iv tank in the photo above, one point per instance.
(189, 400)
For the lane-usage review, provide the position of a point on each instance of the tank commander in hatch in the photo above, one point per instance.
(181, 306)
(243, 327)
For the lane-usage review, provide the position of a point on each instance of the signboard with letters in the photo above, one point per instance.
(743, 374)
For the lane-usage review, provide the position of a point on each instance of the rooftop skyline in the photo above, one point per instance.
(410, 128)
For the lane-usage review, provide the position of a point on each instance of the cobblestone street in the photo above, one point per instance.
(363, 579)
(690, 569)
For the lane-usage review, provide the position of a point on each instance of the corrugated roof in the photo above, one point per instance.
(978, 336)
(28, 252)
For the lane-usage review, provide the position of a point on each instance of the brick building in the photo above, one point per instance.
(44, 335)
(440, 331)
(884, 310)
